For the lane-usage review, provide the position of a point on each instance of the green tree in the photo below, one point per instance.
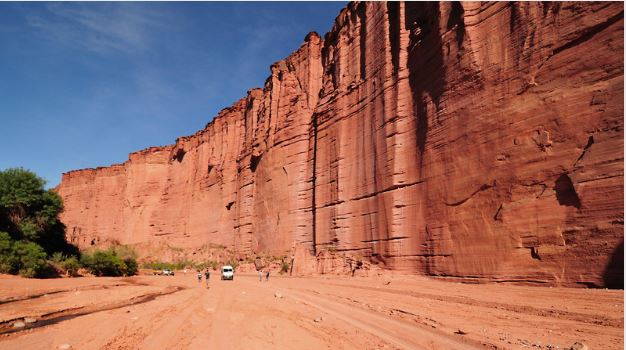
(29, 212)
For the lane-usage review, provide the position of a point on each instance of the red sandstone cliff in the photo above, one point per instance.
(455, 139)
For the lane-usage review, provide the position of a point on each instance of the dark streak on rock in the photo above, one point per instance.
(589, 33)
(589, 143)
(482, 188)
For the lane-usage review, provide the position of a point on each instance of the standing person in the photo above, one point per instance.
(199, 276)
(207, 275)
(267, 276)
(260, 276)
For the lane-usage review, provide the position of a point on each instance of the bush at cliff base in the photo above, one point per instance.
(26, 258)
(108, 263)
(30, 229)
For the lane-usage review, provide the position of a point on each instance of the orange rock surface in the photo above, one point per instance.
(465, 140)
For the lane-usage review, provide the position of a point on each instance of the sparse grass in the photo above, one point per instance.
(175, 249)
(285, 267)
(161, 265)
(125, 251)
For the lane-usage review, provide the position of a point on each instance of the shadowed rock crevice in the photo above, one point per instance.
(393, 15)
(361, 11)
(314, 130)
(179, 155)
(425, 64)
(565, 192)
(456, 20)
(614, 272)
(254, 162)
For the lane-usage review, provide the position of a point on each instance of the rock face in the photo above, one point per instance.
(456, 139)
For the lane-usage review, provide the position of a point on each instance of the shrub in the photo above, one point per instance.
(177, 265)
(30, 257)
(125, 252)
(71, 266)
(8, 263)
(58, 258)
(108, 263)
(285, 267)
(131, 266)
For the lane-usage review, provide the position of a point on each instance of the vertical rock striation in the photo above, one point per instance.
(451, 139)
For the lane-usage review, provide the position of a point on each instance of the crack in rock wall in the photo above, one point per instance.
(446, 139)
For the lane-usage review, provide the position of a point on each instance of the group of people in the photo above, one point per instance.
(207, 276)
(267, 275)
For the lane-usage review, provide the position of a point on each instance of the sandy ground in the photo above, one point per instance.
(161, 312)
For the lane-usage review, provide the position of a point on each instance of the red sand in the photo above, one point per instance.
(307, 313)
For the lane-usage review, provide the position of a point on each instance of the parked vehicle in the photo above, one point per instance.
(165, 272)
(227, 272)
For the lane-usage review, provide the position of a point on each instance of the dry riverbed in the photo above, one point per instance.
(391, 312)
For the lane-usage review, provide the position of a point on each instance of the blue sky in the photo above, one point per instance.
(84, 84)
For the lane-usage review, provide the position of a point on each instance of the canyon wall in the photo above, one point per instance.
(465, 140)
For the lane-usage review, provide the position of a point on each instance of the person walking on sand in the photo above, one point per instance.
(199, 276)
(260, 276)
(207, 275)
(267, 276)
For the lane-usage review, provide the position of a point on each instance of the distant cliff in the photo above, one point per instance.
(452, 139)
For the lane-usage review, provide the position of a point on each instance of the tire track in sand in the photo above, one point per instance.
(399, 333)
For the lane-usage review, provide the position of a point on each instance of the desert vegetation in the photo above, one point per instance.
(32, 238)
(30, 229)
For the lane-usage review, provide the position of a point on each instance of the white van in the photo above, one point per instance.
(227, 272)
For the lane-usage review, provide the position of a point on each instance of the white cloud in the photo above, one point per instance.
(99, 27)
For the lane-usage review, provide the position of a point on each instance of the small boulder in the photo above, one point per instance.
(64, 346)
(30, 320)
(579, 346)
(19, 324)
(318, 319)
(277, 295)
